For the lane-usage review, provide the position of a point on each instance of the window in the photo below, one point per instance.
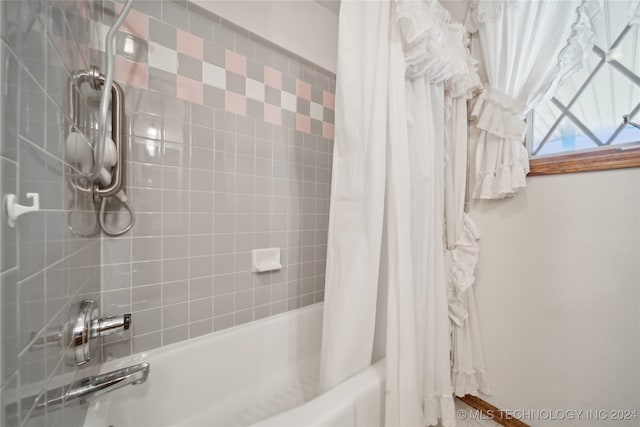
(582, 127)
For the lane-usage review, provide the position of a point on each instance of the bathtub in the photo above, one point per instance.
(263, 373)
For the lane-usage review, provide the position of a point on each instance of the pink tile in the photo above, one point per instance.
(235, 103)
(303, 90)
(136, 23)
(272, 78)
(328, 130)
(236, 63)
(329, 100)
(189, 89)
(190, 45)
(272, 114)
(303, 123)
(131, 73)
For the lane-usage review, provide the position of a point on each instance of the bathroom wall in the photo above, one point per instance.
(558, 288)
(230, 150)
(44, 266)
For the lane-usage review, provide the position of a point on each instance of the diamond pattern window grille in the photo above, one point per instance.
(587, 111)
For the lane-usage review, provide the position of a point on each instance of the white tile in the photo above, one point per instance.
(289, 101)
(317, 111)
(214, 75)
(255, 90)
(163, 58)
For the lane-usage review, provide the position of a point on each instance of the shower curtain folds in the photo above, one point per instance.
(399, 62)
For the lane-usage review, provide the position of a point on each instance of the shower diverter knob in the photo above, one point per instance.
(88, 327)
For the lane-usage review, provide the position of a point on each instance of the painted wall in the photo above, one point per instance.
(558, 286)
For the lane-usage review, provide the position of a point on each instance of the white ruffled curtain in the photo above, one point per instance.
(528, 49)
(403, 79)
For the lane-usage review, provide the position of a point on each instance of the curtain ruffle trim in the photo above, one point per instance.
(434, 45)
(471, 382)
(578, 45)
(498, 114)
(437, 407)
(462, 261)
(506, 179)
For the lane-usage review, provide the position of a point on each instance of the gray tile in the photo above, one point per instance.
(272, 96)
(145, 297)
(214, 54)
(189, 67)
(163, 34)
(200, 26)
(214, 97)
(263, 54)
(288, 119)
(202, 115)
(329, 115)
(289, 84)
(199, 328)
(223, 322)
(174, 335)
(174, 108)
(281, 62)
(175, 15)
(236, 83)
(255, 71)
(223, 304)
(242, 317)
(146, 101)
(146, 342)
(255, 109)
(303, 107)
(200, 309)
(316, 95)
(151, 8)
(316, 127)
(224, 37)
(162, 81)
(244, 46)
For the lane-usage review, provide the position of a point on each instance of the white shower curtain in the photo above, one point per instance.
(396, 68)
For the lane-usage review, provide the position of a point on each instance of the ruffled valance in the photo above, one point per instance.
(498, 114)
(429, 38)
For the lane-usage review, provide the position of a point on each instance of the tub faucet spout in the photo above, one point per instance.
(95, 386)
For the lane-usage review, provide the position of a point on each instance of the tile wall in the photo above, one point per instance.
(44, 265)
(230, 150)
(230, 142)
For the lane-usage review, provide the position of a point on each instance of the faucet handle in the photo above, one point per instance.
(88, 327)
(113, 325)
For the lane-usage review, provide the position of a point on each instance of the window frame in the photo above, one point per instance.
(606, 157)
(595, 160)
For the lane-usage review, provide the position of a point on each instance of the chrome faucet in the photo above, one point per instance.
(94, 386)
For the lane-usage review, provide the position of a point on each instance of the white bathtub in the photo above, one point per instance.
(263, 373)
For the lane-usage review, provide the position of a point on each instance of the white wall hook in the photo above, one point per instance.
(14, 209)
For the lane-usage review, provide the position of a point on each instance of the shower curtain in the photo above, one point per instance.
(400, 65)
